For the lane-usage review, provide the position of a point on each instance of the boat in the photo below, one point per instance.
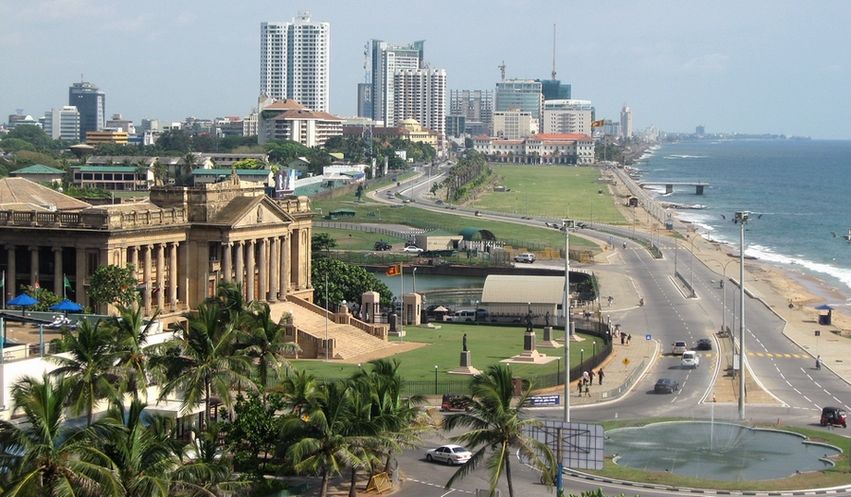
(848, 236)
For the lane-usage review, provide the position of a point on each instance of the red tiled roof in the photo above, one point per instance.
(304, 114)
(287, 104)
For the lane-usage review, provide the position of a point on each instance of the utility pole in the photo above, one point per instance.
(742, 218)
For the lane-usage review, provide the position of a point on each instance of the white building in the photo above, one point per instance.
(289, 120)
(626, 122)
(568, 116)
(543, 148)
(295, 61)
(387, 59)
(63, 123)
(514, 124)
(421, 94)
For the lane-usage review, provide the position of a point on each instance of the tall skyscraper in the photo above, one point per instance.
(519, 94)
(63, 123)
(477, 108)
(387, 58)
(295, 61)
(626, 122)
(420, 94)
(91, 103)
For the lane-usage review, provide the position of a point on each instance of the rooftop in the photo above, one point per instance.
(37, 169)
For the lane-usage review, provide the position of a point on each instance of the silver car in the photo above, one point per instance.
(449, 454)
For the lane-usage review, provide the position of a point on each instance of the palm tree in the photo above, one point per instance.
(202, 360)
(267, 344)
(300, 389)
(89, 366)
(495, 422)
(131, 335)
(47, 456)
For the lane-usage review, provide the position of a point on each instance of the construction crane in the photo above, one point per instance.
(554, 53)
(501, 68)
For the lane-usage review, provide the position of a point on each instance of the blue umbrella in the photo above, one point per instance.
(66, 306)
(23, 300)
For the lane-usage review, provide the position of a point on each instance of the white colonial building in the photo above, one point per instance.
(543, 148)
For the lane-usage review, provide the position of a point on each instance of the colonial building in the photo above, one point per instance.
(182, 242)
(543, 148)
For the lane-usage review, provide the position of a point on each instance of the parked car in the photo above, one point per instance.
(455, 402)
(412, 249)
(666, 385)
(690, 359)
(461, 316)
(525, 257)
(704, 344)
(382, 245)
(449, 454)
(678, 347)
(833, 416)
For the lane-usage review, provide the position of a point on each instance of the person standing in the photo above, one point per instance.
(586, 377)
(818, 362)
(588, 389)
(600, 376)
(628, 338)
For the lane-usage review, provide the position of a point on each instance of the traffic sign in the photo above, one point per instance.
(648, 337)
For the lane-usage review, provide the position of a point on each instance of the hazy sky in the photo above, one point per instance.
(747, 66)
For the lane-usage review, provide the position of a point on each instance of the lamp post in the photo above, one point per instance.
(414, 273)
(691, 264)
(475, 312)
(566, 225)
(435, 379)
(326, 315)
(581, 358)
(742, 218)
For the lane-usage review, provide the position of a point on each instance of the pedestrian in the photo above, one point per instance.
(628, 338)
(580, 385)
(818, 362)
(600, 376)
(588, 389)
(586, 377)
(591, 381)
(623, 338)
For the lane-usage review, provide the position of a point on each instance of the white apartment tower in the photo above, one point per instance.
(386, 60)
(568, 116)
(421, 94)
(295, 61)
(626, 122)
(63, 123)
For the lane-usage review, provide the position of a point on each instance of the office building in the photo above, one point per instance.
(19, 119)
(518, 94)
(118, 122)
(295, 61)
(386, 60)
(91, 103)
(63, 124)
(626, 122)
(365, 100)
(107, 137)
(568, 116)
(420, 94)
(514, 124)
(553, 89)
(477, 108)
(455, 126)
(289, 120)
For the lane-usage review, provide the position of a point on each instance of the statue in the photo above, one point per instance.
(547, 319)
(529, 322)
(464, 343)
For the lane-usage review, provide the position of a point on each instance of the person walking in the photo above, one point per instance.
(600, 376)
(588, 389)
(623, 338)
(818, 362)
(586, 377)
(579, 385)
(628, 338)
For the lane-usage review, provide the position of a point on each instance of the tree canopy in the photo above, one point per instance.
(344, 282)
(112, 284)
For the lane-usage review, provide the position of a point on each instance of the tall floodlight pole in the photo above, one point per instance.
(742, 218)
(327, 310)
(566, 395)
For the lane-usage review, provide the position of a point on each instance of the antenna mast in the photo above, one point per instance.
(554, 52)
(501, 68)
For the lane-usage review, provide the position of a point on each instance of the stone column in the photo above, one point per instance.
(134, 259)
(146, 279)
(172, 275)
(161, 275)
(240, 265)
(183, 273)
(33, 265)
(58, 274)
(285, 266)
(263, 269)
(227, 263)
(308, 259)
(249, 270)
(80, 275)
(11, 274)
(274, 271)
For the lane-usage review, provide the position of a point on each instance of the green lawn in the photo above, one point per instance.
(488, 344)
(358, 240)
(552, 191)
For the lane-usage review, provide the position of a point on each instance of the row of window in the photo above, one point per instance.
(107, 177)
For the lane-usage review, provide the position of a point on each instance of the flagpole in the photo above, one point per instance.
(4, 289)
(402, 297)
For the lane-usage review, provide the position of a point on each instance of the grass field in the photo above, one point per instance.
(358, 240)
(488, 344)
(552, 191)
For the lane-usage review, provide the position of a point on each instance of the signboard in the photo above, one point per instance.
(581, 444)
(543, 400)
(736, 362)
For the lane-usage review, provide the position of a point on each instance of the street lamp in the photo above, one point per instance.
(724, 295)
(581, 358)
(742, 218)
(435, 379)
(475, 312)
(414, 272)
(326, 315)
(567, 225)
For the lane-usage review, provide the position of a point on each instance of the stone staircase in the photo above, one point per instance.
(349, 341)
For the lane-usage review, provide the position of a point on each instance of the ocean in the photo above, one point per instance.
(798, 193)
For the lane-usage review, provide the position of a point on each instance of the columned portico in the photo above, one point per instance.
(146, 278)
(285, 266)
(58, 272)
(161, 275)
(250, 270)
(227, 262)
(11, 271)
(263, 269)
(33, 265)
(172, 274)
(274, 272)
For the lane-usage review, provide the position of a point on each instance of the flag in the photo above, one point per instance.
(3, 280)
(66, 283)
(598, 124)
(394, 270)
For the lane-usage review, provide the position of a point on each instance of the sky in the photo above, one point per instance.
(751, 67)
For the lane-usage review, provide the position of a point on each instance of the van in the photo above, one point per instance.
(678, 348)
(465, 315)
(690, 359)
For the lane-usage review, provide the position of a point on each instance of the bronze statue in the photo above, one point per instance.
(547, 319)
(464, 343)
(529, 321)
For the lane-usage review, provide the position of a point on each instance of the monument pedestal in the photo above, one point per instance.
(530, 354)
(548, 338)
(465, 364)
(397, 333)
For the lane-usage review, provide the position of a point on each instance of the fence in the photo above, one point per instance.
(369, 228)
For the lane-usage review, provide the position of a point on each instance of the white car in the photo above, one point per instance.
(527, 257)
(449, 454)
(412, 249)
(690, 359)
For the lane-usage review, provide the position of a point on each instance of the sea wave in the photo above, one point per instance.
(678, 156)
(767, 254)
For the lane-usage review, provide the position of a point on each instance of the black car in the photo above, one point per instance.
(666, 385)
(455, 402)
(382, 245)
(833, 416)
(703, 344)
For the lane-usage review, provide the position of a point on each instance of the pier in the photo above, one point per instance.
(669, 185)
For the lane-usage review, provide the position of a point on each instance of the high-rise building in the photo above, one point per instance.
(119, 122)
(476, 106)
(387, 58)
(91, 102)
(626, 122)
(568, 116)
(514, 124)
(364, 100)
(519, 94)
(295, 61)
(421, 94)
(553, 89)
(63, 124)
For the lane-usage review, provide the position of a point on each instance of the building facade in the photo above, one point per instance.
(626, 122)
(514, 124)
(107, 137)
(289, 120)
(542, 148)
(519, 94)
(91, 103)
(295, 61)
(420, 94)
(386, 59)
(568, 116)
(477, 108)
(63, 124)
(553, 89)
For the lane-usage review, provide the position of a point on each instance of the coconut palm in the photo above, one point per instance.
(202, 360)
(267, 344)
(89, 365)
(47, 456)
(495, 422)
(300, 388)
(131, 336)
